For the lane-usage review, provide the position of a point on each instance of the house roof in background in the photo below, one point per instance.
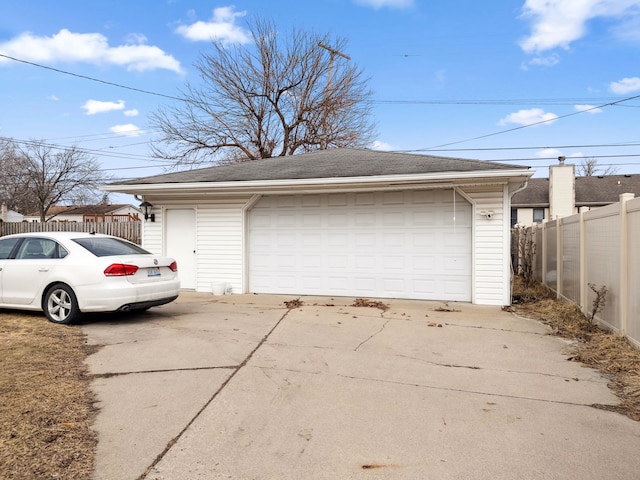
(101, 209)
(590, 191)
(332, 163)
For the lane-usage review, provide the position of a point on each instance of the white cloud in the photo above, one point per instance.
(587, 108)
(128, 130)
(528, 117)
(628, 30)
(221, 27)
(53, 98)
(549, 153)
(626, 85)
(547, 61)
(385, 3)
(381, 146)
(555, 153)
(557, 23)
(96, 106)
(131, 113)
(66, 46)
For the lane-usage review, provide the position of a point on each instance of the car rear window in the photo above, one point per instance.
(107, 246)
(6, 247)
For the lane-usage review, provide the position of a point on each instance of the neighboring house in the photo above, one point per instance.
(342, 222)
(564, 194)
(7, 215)
(89, 213)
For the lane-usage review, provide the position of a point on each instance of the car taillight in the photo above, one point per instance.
(174, 266)
(120, 270)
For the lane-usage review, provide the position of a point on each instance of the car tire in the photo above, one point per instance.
(60, 304)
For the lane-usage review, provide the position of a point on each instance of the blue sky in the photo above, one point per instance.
(460, 78)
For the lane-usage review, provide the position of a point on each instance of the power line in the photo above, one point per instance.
(608, 101)
(86, 150)
(540, 147)
(85, 77)
(541, 122)
(514, 101)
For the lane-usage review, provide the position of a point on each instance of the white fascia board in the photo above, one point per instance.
(427, 180)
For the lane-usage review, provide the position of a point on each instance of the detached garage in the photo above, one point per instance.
(339, 222)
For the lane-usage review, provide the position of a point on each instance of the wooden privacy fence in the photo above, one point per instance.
(128, 230)
(598, 248)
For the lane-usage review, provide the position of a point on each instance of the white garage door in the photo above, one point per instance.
(411, 244)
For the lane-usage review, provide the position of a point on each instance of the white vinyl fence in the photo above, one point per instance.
(600, 247)
(128, 230)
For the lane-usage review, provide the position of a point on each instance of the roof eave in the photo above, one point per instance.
(434, 180)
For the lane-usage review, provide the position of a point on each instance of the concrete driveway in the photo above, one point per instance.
(243, 387)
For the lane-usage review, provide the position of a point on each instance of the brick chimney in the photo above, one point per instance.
(3, 212)
(562, 189)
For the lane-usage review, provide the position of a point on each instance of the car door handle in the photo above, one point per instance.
(43, 269)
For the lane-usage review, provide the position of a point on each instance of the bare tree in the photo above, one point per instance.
(14, 191)
(590, 168)
(279, 96)
(54, 175)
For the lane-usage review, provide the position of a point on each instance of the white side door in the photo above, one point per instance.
(181, 243)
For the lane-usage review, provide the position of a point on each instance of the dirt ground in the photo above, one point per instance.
(46, 411)
(47, 407)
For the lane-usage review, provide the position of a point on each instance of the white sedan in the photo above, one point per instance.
(66, 274)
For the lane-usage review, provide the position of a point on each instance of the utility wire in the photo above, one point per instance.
(435, 148)
(541, 122)
(85, 77)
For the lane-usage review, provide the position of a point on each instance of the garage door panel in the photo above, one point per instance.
(393, 198)
(365, 285)
(391, 263)
(424, 264)
(337, 200)
(394, 244)
(311, 220)
(311, 261)
(312, 283)
(363, 219)
(394, 285)
(423, 287)
(336, 262)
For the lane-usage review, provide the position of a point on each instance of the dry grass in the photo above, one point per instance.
(594, 347)
(46, 411)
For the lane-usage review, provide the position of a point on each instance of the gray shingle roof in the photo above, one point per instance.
(334, 163)
(100, 209)
(590, 191)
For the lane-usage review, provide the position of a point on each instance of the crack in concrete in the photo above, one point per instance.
(372, 335)
(435, 387)
(136, 372)
(236, 369)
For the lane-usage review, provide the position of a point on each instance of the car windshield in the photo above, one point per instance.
(108, 246)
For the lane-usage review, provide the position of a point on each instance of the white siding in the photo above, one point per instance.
(220, 246)
(152, 233)
(491, 247)
(219, 231)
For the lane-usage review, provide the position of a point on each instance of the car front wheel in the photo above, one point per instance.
(60, 304)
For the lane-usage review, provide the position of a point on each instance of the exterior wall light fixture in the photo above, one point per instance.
(146, 209)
